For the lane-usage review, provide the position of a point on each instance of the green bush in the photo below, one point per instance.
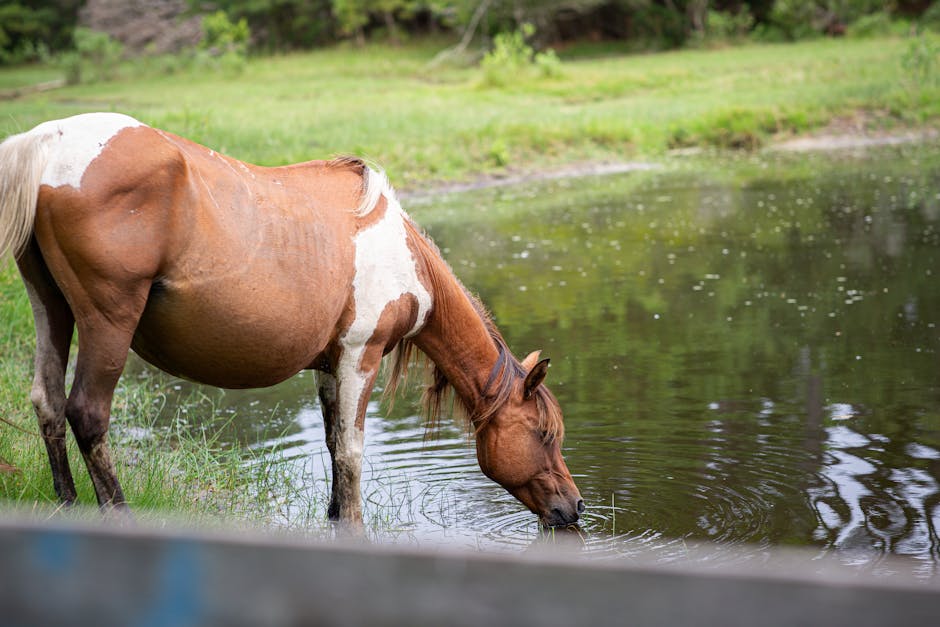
(95, 57)
(220, 35)
(921, 61)
(512, 58)
(877, 24)
(30, 30)
(548, 63)
(795, 19)
(27, 51)
(931, 18)
(224, 43)
(729, 27)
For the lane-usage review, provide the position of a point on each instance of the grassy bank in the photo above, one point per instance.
(445, 124)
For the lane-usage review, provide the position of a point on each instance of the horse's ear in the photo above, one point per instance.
(535, 377)
(531, 359)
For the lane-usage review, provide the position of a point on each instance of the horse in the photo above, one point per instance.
(240, 276)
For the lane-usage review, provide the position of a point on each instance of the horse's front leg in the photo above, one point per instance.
(343, 398)
(327, 388)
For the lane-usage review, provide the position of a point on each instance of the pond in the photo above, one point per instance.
(746, 352)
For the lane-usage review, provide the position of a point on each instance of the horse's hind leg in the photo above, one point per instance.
(54, 326)
(101, 359)
(104, 339)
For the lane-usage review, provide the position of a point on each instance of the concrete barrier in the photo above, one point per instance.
(68, 574)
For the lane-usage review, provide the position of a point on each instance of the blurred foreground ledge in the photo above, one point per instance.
(59, 573)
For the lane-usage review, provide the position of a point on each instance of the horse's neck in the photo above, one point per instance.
(455, 336)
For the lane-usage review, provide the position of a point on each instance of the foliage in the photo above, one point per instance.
(351, 15)
(30, 29)
(548, 63)
(512, 58)
(795, 19)
(221, 35)
(729, 27)
(278, 24)
(921, 61)
(224, 41)
(509, 57)
(878, 24)
(95, 57)
(931, 17)
(801, 19)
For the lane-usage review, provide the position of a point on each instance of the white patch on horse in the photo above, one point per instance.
(76, 142)
(385, 271)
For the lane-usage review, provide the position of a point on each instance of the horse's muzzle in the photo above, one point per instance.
(563, 515)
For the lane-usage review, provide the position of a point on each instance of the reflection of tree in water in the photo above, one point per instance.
(875, 494)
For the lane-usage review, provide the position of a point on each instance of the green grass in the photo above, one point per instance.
(26, 75)
(426, 125)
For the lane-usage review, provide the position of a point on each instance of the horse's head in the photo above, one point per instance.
(519, 447)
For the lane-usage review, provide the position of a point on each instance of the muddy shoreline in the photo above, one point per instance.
(832, 138)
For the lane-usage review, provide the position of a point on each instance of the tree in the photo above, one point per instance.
(278, 24)
(26, 27)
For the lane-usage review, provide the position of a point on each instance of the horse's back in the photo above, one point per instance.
(245, 270)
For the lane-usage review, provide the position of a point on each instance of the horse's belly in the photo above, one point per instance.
(233, 341)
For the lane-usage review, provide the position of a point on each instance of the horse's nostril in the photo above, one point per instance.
(580, 506)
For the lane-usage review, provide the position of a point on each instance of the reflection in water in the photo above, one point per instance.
(745, 355)
(865, 507)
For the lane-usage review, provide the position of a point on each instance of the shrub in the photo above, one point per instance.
(25, 52)
(224, 43)
(220, 35)
(726, 26)
(95, 57)
(875, 25)
(795, 19)
(920, 61)
(548, 63)
(931, 18)
(512, 57)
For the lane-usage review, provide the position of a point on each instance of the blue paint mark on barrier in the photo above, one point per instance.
(55, 552)
(176, 602)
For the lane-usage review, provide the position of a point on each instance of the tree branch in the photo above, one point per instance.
(468, 34)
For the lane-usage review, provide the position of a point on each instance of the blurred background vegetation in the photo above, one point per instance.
(99, 31)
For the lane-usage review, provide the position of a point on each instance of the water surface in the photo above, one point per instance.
(745, 351)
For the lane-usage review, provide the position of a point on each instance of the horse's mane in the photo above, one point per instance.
(505, 372)
(500, 384)
(374, 181)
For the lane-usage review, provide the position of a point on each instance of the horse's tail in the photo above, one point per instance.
(23, 158)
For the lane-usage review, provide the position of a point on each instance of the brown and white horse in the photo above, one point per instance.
(241, 276)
